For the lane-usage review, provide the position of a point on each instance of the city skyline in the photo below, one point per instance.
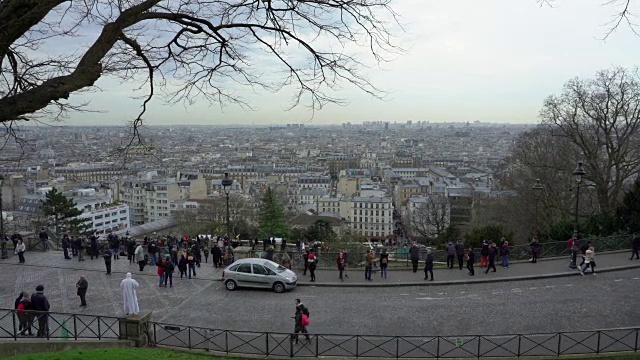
(493, 62)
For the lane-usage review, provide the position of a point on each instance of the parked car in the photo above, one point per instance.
(258, 273)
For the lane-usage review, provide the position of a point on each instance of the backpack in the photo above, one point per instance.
(168, 267)
(21, 308)
(305, 320)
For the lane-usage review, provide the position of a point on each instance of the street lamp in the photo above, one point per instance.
(537, 191)
(227, 181)
(3, 239)
(579, 174)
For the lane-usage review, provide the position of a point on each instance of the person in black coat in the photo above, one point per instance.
(82, 285)
(65, 246)
(106, 255)
(94, 246)
(79, 248)
(635, 247)
(216, 255)
(471, 258)
(131, 249)
(428, 266)
(41, 306)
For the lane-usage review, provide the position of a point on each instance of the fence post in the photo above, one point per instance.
(291, 345)
(15, 332)
(357, 344)
(636, 348)
(519, 343)
(479, 337)
(189, 337)
(155, 340)
(559, 342)
(317, 345)
(397, 347)
(598, 348)
(75, 327)
(438, 348)
(226, 341)
(266, 340)
(99, 332)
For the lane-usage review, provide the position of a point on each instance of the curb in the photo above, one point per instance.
(470, 282)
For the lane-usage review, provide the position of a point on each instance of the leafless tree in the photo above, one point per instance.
(601, 116)
(431, 218)
(185, 50)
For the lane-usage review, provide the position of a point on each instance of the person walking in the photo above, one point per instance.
(205, 250)
(635, 247)
(65, 246)
(471, 258)
(41, 306)
(460, 253)
(305, 257)
(182, 266)
(414, 255)
(44, 239)
(451, 254)
(80, 245)
(484, 254)
(129, 295)
(493, 252)
(340, 263)
(131, 251)
(19, 250)
(301, 323)
(160, 271)
(589, 261)
(384, 263)
(106, 255)
(191, 264)
(270, 252)
(312, 267)
(368, 267)
(82, 285)
(428, 266)
(345, 256)
(139, 256)
(25, 314)
(216, 255)
(168, 272)
(535, 250)
(504, 252)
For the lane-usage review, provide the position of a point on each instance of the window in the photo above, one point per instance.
(259, 270)
(244, 268)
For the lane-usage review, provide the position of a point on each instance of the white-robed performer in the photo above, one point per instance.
(129, 286)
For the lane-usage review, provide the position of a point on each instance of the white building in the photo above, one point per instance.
(111, 218)
(371, 217)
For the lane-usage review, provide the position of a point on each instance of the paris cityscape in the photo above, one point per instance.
(329, 179)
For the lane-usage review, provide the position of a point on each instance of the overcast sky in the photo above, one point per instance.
(466, 60)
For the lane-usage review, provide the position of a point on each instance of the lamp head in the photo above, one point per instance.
(579, 172)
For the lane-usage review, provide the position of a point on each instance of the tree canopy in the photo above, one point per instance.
(63, 214)
(272, 219)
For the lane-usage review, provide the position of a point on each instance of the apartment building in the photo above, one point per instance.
(370, 217)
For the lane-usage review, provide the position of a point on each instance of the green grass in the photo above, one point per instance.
(162, 354)
(117, 354)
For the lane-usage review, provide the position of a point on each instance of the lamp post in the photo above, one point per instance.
(3, 239)
(227, 181)
(537, 191)
(579, 174)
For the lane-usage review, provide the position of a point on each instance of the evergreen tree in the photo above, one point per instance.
(272, 219)
(63, 214)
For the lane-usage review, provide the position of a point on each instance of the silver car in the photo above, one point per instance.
(259, 273)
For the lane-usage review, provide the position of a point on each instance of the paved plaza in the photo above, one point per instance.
(559, 304)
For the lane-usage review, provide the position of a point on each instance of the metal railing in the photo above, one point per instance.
(359, 346)
(57, 325)
(77, 327)
(399, 257)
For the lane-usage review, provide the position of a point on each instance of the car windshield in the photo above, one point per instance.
(275, 267)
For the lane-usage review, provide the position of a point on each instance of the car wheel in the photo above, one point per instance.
(279, 287)
(231, 285)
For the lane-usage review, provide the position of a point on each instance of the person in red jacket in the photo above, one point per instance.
(160, 264)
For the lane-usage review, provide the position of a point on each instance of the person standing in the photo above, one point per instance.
(535, 250)
(270, 252)
(305, 257)
(182, 266)
(216, 256)
(41, 306)
(493, 252)
(139, 254)
(130, 297)
(345, 256)
(44, 239)
(504, 252)
(160, 265)
(205, 250)
(471, 259)
(414, 254)
(82, 285)
(635, 247)
(65, 246)
(589, 261)
(428, 266)
(106, 255)
(286, 260)
(384, 262)
(368, 267)
(484, 254)
(72, 244)
(20, 249)
(168, 272)
(131, 250)
(80, 247)
(94, 246)
(152, 248)
(460, 253)
(312, 266)
(340, 263)
(451, 254)
(191, 263)
(114, 243)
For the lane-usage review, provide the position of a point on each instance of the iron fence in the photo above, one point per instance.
(67, 326)
(57, 325)
(363, 346)
(399, 257)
